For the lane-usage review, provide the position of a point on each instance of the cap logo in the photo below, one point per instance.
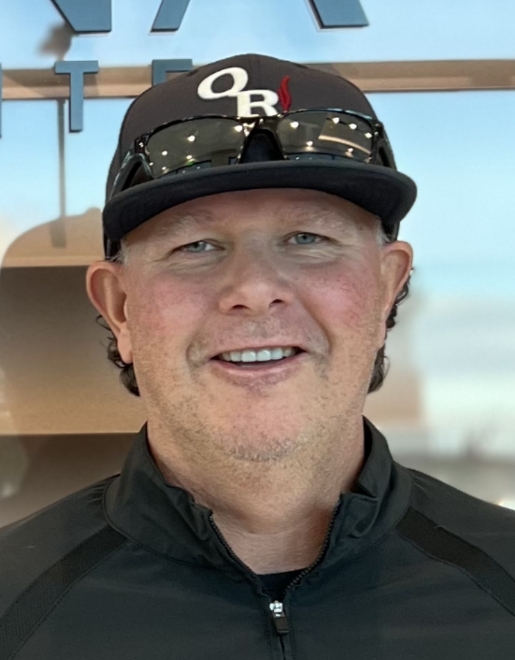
(284, 94)
(247, 100)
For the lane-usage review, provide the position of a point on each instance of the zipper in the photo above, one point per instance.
(279, 617)
(277, 607)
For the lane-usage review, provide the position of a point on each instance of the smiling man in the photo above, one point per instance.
(253, 319)
(252, 271)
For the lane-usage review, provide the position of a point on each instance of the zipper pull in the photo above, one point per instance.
(280, 620)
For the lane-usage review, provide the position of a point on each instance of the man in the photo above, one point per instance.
(252, 271)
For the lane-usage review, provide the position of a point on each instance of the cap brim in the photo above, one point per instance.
(379, 190)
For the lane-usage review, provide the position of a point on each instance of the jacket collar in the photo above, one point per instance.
(166, 519)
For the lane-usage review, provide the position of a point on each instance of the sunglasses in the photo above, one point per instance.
(201, 142)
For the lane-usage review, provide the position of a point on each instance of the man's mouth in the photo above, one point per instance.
(269, 372)
(245, 364)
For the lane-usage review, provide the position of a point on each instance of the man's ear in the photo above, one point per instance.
(396, 265)
(105, 287)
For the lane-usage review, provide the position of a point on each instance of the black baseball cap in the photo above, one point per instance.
(250, 85)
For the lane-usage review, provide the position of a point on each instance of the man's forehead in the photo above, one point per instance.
(175, 220)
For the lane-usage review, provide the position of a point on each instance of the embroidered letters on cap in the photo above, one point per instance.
(245, 103)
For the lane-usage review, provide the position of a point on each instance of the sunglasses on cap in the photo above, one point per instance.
(207, 141)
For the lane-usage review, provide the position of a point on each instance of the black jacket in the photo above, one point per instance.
(133, 569)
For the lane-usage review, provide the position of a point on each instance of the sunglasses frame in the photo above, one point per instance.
(138, 156)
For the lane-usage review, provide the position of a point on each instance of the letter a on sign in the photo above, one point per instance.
(86, 15)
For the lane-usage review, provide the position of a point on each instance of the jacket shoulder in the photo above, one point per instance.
(487, 526)
(31, 547)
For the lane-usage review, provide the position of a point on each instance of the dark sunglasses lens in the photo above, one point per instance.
(195, 144)
(330, 135)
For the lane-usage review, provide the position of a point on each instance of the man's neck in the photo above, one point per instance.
(292, 548)
(273, 523)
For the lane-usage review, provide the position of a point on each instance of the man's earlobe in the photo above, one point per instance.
(106, 292)
(396, 269)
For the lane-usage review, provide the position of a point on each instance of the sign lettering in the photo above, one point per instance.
(96, 15)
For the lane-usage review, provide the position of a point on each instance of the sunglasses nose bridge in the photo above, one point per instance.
(258, 125)
(261, 145)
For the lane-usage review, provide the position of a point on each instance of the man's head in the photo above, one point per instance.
(252, 269)
(261, 257)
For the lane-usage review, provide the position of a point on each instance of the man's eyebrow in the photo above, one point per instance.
(175, 224)
(303, 212)
(321, 217)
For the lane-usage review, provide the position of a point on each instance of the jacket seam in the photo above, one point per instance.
(63, 594)
(456, 566)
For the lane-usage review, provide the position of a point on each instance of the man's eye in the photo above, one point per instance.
(183, 247)
(196, 244)
(309, 235)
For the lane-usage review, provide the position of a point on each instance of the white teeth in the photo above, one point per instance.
(262, 355)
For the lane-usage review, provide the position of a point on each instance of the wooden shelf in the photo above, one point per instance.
(417, 76)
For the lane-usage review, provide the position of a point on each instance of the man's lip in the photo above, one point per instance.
(262, 372)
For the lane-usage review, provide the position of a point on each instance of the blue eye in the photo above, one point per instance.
(308, 234)
(184, 248)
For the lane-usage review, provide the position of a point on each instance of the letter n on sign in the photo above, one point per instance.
(339, 13)
(86, 15)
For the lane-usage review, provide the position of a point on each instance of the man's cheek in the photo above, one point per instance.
(352, 301)
(163, 325)
(158, 307)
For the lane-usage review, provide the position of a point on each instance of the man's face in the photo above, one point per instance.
(256, 268)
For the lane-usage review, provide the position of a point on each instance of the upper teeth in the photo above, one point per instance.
(258, 356)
